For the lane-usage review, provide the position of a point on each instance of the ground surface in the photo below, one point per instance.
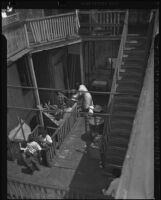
(72, 168)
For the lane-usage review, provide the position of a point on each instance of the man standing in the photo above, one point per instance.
(87, 102)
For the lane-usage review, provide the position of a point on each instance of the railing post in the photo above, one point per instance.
(26, 35)
(33, 76)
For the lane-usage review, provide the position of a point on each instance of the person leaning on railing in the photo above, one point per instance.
(87, 102)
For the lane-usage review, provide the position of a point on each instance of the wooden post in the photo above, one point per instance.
(81, 63)
(31, 66)
(26, 35)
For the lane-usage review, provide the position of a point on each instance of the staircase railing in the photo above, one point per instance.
(152, 22)
(107, 127)
(19, 189)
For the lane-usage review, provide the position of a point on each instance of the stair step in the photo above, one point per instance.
(122, 124)
(127, 99)
(133, 84)
(135, 43)
(124, 80)
(116, 160)
(133, 51)
(120, 132)
(132, 76)
(133, 72)
(116, 150)
(134, 59)
(117, 141)
(132, 66)
(128, 90)
(122, 115)
(124, 107)
(110, 166)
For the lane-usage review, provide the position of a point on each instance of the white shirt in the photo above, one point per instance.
(87, 102)
(47, 139)
(32, 147)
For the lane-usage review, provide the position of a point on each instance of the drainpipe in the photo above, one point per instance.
(31, 67)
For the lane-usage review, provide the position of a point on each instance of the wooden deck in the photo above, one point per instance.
(72, 168)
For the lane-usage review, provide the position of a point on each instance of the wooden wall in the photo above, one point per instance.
(50, 69)
(19, 98)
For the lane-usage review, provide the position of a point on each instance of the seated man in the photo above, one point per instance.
(45, 141)
(31, 155)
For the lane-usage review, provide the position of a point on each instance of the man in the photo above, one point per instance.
(87, 103)
(32, 155)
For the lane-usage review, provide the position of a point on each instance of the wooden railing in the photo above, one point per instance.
(10, 19)
(58, 135)
(39, 31)
(61, 132)
(16, 39)
(52, 28)
(19, 189)
(107, 127)
(108, 22)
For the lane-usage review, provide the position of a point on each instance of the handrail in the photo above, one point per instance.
(26, 189)
(107, 126)
(104, 11)
(126, 184)
(119, 57)
(49, 17)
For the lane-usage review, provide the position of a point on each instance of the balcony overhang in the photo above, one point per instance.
(17, 56)
(56, 44)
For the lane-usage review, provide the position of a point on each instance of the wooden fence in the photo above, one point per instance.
(18, 189)
(107, 22)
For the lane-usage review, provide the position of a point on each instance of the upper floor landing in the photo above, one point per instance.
(47, 32)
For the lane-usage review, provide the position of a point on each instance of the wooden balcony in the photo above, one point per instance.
(39, 32)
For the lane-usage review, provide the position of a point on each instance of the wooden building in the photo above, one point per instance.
(107, 50)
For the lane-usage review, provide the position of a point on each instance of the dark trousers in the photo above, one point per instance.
(31, 161)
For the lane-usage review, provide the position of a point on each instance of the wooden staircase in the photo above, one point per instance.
(124, 106)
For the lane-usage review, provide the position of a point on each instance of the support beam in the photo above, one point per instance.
(81, 63)
(31, 67)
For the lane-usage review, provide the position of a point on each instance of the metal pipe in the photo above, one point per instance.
(51, 89)
(50, 111)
